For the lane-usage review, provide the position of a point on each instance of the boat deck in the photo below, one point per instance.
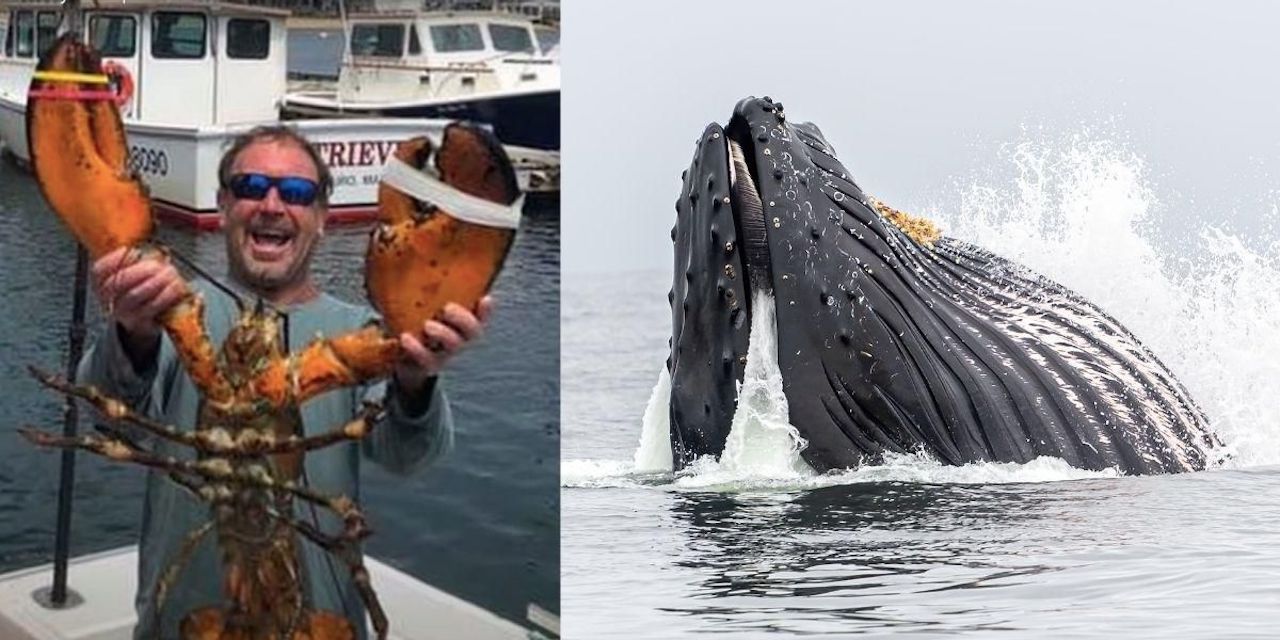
(105, 583)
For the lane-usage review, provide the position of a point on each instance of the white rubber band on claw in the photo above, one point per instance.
(415, 183)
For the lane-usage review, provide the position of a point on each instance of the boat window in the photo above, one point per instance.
(177, 35)
(46, 30)
(114, 36)
(382, 40)
(510, 38)
(26, 34)
(415, 45)
(548, 38)
(456, 37)
(248, 39)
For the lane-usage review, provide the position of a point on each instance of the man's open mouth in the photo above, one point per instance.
(270, 244)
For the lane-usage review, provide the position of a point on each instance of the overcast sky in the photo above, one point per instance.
(911, 95)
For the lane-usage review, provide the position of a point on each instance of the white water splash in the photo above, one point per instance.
(923, 469)
(654, 452)
(1084, 212)
(762, 445)
(599, 473)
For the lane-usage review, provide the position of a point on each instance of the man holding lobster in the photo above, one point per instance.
(273, 197)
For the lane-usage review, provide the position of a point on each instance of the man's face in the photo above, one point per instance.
(269, 241)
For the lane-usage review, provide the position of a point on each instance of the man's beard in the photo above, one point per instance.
(268, 278)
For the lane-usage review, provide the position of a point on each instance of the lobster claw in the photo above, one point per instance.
(435, 245)
(439, 240)
(79, 155)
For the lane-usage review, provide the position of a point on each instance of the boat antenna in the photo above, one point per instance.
(72, 16)
(346, 49)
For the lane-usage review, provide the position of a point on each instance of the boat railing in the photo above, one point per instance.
(460, 67)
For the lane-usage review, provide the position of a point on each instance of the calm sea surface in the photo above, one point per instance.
(482, 523)
(1026, 551)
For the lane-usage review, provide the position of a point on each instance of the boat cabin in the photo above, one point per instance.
(192, 63)
(407, 56)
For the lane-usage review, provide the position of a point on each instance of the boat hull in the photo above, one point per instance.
(525, 120)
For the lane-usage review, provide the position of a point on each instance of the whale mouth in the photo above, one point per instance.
(748, 212)
(721, 258)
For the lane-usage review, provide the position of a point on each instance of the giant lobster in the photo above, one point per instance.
(420, 257)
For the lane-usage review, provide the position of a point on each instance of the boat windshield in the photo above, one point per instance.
(448, 38)
(178, 35)
(46, 30)
(25, 21)
(548, 38)
(510, 38)
(114, 36)
(248, 39)
(381, 40)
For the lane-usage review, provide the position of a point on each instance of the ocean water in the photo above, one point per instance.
(755, 543)
(482, 523)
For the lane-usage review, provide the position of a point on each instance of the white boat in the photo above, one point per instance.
(485, 66)
(104, 585)
(202, 73)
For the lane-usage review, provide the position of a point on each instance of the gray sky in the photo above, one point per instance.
(912, 95)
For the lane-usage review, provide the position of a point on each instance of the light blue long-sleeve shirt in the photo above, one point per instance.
(400, 442)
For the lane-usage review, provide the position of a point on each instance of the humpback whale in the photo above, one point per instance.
(891, 336)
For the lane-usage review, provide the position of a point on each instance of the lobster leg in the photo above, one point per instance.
(209, 441)
(342, 547)
(210, 469)
(192, 485)
(118, 411)
(176, 566)
(354, 430)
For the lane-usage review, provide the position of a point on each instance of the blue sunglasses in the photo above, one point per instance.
(292, 189)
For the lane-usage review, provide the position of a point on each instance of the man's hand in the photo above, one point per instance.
(427, 351)
(134, 292)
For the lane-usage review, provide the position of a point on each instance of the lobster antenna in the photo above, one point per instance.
(191, 264)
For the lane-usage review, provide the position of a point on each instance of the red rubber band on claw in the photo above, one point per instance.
(73, 94)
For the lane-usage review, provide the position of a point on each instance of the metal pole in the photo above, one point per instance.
(70, 413)
(62, 535)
